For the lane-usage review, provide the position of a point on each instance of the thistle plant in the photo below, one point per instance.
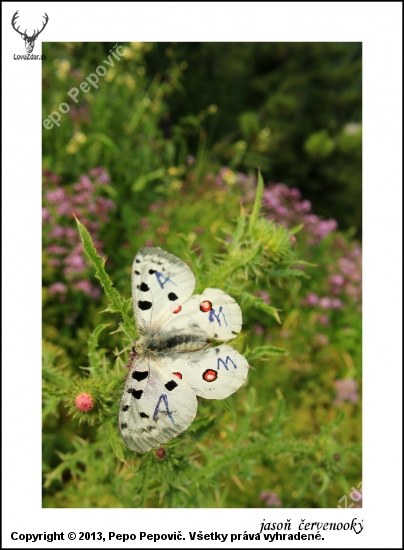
(226, 456)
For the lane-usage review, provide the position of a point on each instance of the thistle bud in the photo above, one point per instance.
(84, 402)
(160, 453)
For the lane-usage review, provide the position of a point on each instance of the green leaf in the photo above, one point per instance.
(257, 202)
(143, 180)
(325, 480)
(103, 138)
(296, 229)
(224, 404)
(319, 145)
(117, 303)
(289, 273)
(93, 345)
(263, 352)
(55, 393)
(237, 235)
(344, 485)
(256, 302)
(202, 426)
(275, 426)
(112, 434)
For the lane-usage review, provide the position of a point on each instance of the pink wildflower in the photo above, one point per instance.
(325, 303)
(311, 299)
(337, 279)
(270, 499)
(46, 215)
(84, 402)
(347, 390)
(258, 329)
(84, 285)
(55, 196)
(57, 288)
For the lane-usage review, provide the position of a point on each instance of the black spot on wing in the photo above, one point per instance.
(143, 287)
(137, 272)
(123, 425)
(143, 415)
(151, 271)
(172, 296)
(171, 385)
(125, 408)
(140, 375)
(144, 305)
(137, 261)
(137, 394)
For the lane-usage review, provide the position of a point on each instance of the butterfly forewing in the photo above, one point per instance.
(160, 281)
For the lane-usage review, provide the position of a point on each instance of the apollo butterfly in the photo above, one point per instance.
(174, 360)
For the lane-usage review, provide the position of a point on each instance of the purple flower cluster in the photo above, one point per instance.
(63, 247)
(323, 303)
(349, 278)
(57, 288)
(344, 283)
(347, 390)
(285, 206)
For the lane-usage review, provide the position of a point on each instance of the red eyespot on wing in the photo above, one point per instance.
(177, 309)
(206, 306)
(177, 374)
(209, 375)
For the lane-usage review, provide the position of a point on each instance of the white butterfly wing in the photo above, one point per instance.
(212, 313)
(212, 373)
(160, 281)
(156, 405)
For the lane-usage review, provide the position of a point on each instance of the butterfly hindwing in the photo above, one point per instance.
(159, 282)
(212, 313)
(212, 373)
(156, 405)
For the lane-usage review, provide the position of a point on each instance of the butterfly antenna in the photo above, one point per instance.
(130, 338)
(124, 349)
(118, 323)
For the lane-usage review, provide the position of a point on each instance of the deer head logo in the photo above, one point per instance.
(29, 40)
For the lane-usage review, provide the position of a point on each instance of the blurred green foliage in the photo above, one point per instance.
(290, 429)
(295, 110)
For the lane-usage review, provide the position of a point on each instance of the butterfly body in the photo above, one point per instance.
(174, 360)
(171, 342)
